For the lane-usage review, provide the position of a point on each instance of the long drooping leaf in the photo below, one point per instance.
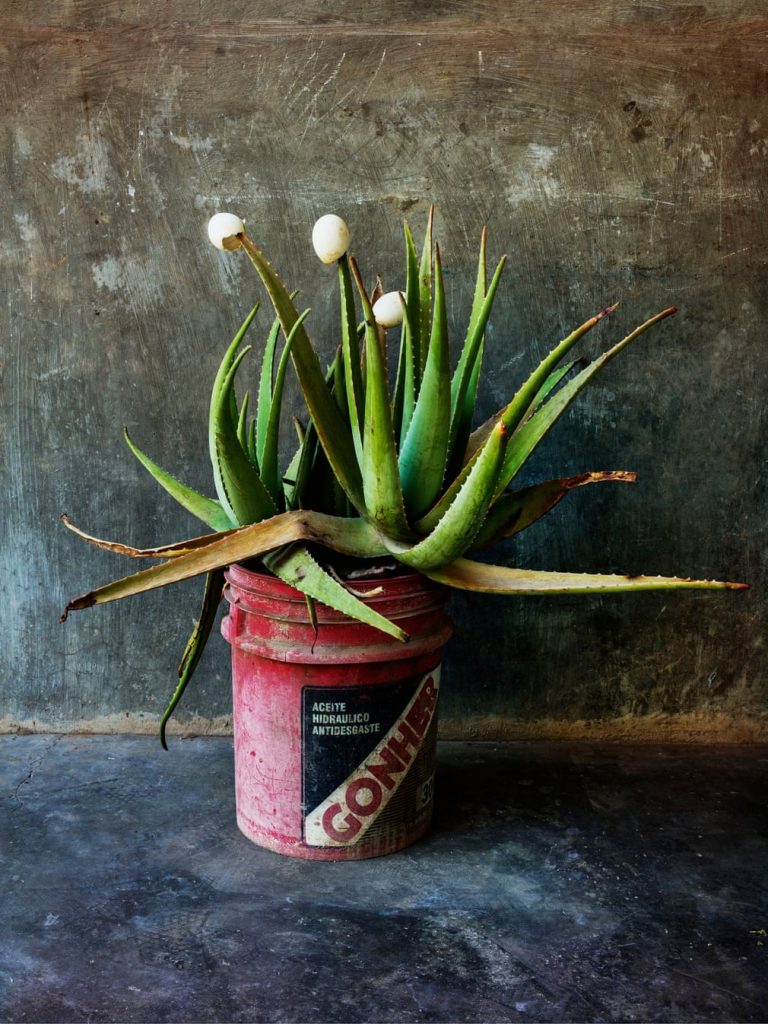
(296, 566)
(514, 412)
(517, 510)
(207, 510)
(214, 584)
(526, 438)
(335, 436)
(270, 474)
(381, 476)
(425, 448)
(457, 529)
(352, 537)
(165, 551)
(465, 574)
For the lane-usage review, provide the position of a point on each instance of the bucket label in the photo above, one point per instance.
(368, 759)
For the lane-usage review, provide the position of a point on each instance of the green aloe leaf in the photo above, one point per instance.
(526, 438)
(458, 527)
(408, 374)
(335, 436)
(214, 585)
(462, 396)
(298, 472)
(297, 567)
(425, 298)
(270, 474)
(238, 484)
(265, 390)
(551, 383)
(381, 476)
(242, 424)
(517, 510)
(424, 450)
(352, 537)
(353, 378)
(514, 412)
(207, 510)
(465, 574)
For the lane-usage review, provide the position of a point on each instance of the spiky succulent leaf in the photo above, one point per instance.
(528, 435)
(165, 551)
(264, 403)
(514, 412)
(242, 424)
(406, 383)
(352, 537)
(223, 396)
(297, 567)
(425, 297)
(351, 358)
(238, 484)
(465, 574)
(424, 450)
(516, 510)
(207, 510)
(462, 397)
(298, 472)
(458, 527)
(335, 436)
(381, 477)
(270, 474)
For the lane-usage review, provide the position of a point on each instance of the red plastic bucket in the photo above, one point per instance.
(335, 732)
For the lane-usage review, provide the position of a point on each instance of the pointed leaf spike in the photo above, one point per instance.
(425, 293)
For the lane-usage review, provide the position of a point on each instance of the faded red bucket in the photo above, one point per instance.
(335, 732)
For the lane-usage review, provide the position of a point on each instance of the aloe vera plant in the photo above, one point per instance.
(379, 472)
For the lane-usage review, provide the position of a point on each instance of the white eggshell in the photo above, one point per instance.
(330, 237)
(388, 310)
(223, 229)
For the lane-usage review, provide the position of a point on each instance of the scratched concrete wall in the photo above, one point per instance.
(618, 150)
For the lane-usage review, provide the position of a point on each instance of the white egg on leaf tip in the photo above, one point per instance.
(388, 309)
(330, 238)
(223, 229)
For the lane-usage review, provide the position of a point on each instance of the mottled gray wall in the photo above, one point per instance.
(618, 150)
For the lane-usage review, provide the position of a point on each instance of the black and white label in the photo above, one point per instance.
(363, 757)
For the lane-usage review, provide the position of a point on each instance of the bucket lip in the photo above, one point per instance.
(269, 586)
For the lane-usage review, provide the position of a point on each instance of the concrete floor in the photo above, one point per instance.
(561, 882)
